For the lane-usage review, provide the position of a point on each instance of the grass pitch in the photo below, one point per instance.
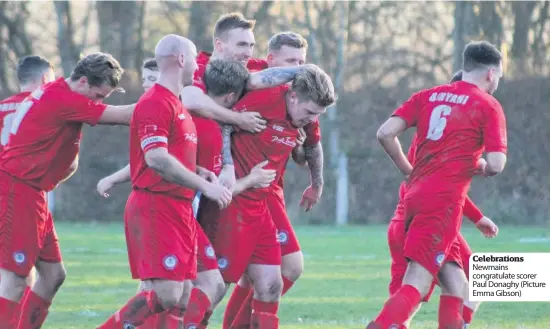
(344, 284)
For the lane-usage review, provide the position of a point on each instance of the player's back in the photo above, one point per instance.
(45, 134)
(8, 107)
(274, 143)
(452, 128)
(160, 120)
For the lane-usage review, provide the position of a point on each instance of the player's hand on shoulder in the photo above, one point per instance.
(311, 197)
(104, 185)
(488, 228)
(251, 122)
(218, 193)
(261, 177)
(227, 177)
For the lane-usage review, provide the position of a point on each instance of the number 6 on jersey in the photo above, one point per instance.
(438, 122)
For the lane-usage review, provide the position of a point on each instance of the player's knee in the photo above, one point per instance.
(269, 290)
(292, 266)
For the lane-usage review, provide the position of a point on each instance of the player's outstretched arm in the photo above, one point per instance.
(117, 115)
(196, 101)
(272, 77)
(173, 171)
(118, 177)
(388, 137)
(483, 223)
(257, 178)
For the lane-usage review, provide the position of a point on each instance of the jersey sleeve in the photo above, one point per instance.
(313, 133)
(79, 108)
(471, 211)
(409, 111)
(152, 120)
(495, 129)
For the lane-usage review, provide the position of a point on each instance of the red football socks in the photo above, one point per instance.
(243, 317)
(8, 310)
(450, 312)
(198, 305)
(34, 310)
(135, 312)
(467, 314)
(205, 322)
(234, 304)
(171, 319)
(264, 315)
(398, 307)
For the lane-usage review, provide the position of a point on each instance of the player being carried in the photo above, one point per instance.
(244, 235)
(285, 49)
(42, 152)
(456, 123)
(397, 235)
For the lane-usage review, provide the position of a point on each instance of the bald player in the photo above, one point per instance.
(160, 233)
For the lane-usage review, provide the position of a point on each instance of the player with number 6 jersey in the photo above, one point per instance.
(41, 153)
(456, 123)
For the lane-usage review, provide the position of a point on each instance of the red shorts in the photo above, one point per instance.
(285, 233)
(241, 234)
(27, 231)
(398, 267)
(161, 237)
(206, 258)
(431, 232)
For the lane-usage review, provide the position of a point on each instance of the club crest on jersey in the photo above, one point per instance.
(209, 251)
(282, 237)
(129, 326)
(222, 263)
(170, 262)
(289, 141)
(439, 259)
(19, 257)
(393, 326)
(191, 326)
(181, 116)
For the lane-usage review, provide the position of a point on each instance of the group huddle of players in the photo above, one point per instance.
(209, 142)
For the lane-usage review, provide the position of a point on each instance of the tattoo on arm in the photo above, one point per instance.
(314, 157)
(272, 77)
(226, 145)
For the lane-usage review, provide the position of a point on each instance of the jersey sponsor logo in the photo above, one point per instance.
(170, 262)
(190, 137)
(289, 141)
(152, 140)
(278, 128)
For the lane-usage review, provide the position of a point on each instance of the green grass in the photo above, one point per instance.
(344, 284)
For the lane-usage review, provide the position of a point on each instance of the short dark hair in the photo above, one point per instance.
(31, 68)
(232, 21)
(289, 39)
(478, 54)
(100, 68)
(150, 64)
(457, 76)
(223, 77)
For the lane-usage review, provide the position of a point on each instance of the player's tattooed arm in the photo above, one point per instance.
(313, 155)
(196, 101)
(227, 175)
(272, 77)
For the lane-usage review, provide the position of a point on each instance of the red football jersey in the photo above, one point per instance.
(7, 113)
(160, 120)
(45, 134)
(209, 134)
(274, 143)
(455, 124)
